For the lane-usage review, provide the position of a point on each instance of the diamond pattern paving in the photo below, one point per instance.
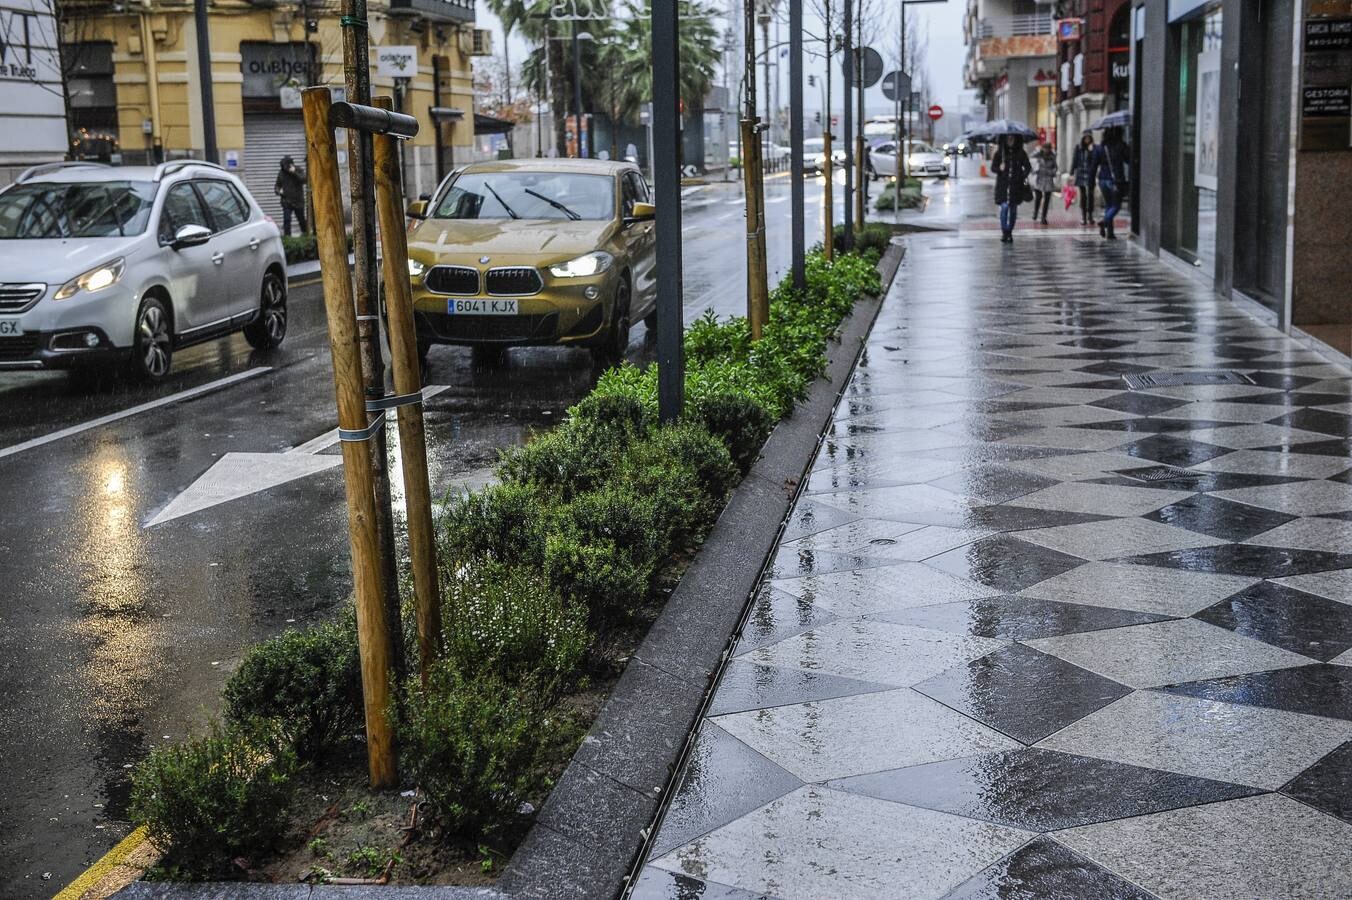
(989, 663)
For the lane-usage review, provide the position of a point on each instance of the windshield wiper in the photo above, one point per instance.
(112, 206)
(552, 202)
(511, 212)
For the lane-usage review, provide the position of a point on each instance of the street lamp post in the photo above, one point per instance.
(796, 140)
(903, 127)
(667, 184)
(577, 88)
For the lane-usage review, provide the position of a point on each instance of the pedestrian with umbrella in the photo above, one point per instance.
(1011, 168)
(1081, 169)
(1110, 168)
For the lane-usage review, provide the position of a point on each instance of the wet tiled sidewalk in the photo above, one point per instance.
(1032, 633)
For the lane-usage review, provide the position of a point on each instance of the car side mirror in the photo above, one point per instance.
(641, 212)
(417, 209)
(190, 236)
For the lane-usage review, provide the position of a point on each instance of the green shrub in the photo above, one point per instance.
(709, 338)
(505, 522)
(308, 682)
(217, 797)
(738, 421)
(608, 582)
(873, 236)
(507, 621)
(300, 248)
(613, 413)
(474, 744)
(614, 514)
(577, 456)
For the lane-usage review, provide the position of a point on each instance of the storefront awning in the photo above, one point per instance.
(491, 124)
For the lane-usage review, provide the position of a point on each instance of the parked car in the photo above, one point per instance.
(924, 160)
(814, 155)
(772, 154)
(534, 251)
(126, 265)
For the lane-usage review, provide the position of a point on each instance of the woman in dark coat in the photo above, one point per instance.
(1110, 169)
(290, 187)
(1011, 168)
(1081, 169)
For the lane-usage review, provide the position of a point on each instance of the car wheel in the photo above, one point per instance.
(269, 329)
(611, 352)
(152, 352)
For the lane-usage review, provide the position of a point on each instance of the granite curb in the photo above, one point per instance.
(598, 817)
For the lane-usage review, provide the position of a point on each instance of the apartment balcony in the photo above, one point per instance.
(435, 10)
(996, 40)
(1039, 24)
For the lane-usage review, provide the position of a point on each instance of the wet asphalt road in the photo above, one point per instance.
(114, 636)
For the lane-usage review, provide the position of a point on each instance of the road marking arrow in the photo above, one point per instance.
(237, 475)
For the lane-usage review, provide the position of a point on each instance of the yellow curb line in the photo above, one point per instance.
(112, 859)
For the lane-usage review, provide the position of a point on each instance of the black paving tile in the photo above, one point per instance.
(1139, 404)
(1280, 381)
(1173, 450)
(1096, 343)
(993, 483)
(1343, 477)
(1043, 869)
(1151, 425)
(1110, 367)
(749, 686)
(1285, 398)
(1285, 617)
(1023, 518)
(1245, 559)
(1004, 563)
(1319, 420)
(1320, 689)
(1017, 618)
(1326, 785)
(1022, 692)
(1040, 790)
(1219, 518)
(723, 780)
(776, 615)
(1335, 447)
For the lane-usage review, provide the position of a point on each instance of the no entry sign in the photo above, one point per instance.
(936, 112)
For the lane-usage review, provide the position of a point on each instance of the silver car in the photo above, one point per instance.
(923, 162)
(125, 265)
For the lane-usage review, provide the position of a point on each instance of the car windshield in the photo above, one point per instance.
(814, 145)
(75, 209)
(529, 195)
(921, 147)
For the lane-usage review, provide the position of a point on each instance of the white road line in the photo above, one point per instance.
(135, 410)
(330, 437)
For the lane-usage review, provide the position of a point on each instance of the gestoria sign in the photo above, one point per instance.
(32, 113)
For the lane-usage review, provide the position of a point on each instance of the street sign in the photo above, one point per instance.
(936, 112)
(397, 62)
(868, 66)
(896, 84)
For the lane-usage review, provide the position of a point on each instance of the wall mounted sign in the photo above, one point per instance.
(268, 68)
(1326, 91)
(397, 62)
(1207, 138)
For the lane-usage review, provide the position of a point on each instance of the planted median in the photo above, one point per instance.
(549, 579)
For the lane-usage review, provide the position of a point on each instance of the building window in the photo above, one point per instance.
(93, 100)
(1191, 149)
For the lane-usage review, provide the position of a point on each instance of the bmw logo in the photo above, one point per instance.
(483, 260)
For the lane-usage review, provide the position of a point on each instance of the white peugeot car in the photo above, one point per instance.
(923, 162)
(103, 264)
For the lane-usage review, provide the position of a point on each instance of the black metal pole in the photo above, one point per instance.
(796, 139)
(847, 61)
(667, 185)
(436, 123)
(577, 90)
(204, 77)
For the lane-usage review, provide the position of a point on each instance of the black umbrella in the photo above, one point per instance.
(992, 132)
(1119, 119)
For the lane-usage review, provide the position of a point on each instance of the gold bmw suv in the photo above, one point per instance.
(534, 251)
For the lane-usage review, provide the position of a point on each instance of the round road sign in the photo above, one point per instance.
(868, 66)
(895, 85)
(936, 112)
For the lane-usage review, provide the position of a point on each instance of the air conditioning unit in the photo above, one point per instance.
(481, 42)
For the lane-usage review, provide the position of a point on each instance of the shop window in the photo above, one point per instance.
(1194, 130)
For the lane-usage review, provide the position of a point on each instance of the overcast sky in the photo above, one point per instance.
(942, 22)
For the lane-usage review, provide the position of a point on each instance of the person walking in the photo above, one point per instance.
(1081, 170)
(1011, 168)
(1110, 169)
(290, 187)
(1044, 184)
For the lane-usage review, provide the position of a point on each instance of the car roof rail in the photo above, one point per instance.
(169, 168)
(44, 168)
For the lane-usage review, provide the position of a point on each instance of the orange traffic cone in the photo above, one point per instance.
(983, 170)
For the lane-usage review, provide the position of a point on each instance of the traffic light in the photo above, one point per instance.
(812, 81)
(818, 115)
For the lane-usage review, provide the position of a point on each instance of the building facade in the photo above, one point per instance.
(1093, 54)
(1242, 121)
(136, 89)
(32, 106)
(1011, 60)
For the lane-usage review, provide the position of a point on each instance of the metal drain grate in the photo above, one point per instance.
(1178, 379)
(1160, 473)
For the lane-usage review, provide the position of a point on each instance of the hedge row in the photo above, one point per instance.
(571, 543)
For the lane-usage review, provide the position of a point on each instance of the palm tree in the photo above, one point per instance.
(698, 48)
(510, 13)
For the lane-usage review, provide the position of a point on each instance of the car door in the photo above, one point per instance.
(238, 241)
(642, 240)
(884, 158)
(196, 279)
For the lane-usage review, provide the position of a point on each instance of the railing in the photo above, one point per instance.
(1010, 26)
(438, 10)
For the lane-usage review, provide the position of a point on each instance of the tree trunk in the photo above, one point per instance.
(556, 85)
(507, 82)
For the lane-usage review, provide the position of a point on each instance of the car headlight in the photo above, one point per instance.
(588, 264)
(415, 268)
(105, 276)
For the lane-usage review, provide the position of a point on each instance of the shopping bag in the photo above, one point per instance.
(1069, 195)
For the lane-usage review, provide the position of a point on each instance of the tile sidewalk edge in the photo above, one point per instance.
(593, 858)
(696, 628)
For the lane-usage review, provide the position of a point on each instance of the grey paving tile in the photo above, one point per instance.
(1262, 748)
(1247, 437)
(1326, 785)
(853, 537)
(1309, 533)
(1335, 584)
(1267, 462)
(992, 483)
(777, 614)
(920, 503)
(853, 735)
(870, 650)
(1112, 538)
(1021, 692)
(1040, 790)
(1320, 690)
(1078, 466)
(1164, 653)
(1070, 438)
(808, 518)
(659, 884)
(897, 585)
(1302, 498)
(745, 685)
(923, 542)
(1004, 563)
(1016, 618)
(1043, 868)
(799, 562)
(1171, 592)
(833, 844)
(1101, 499)
(1255, 847)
